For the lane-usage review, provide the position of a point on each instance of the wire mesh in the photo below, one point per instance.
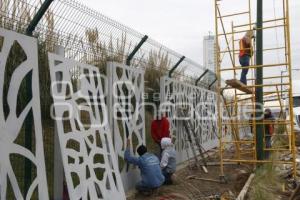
(87, 36)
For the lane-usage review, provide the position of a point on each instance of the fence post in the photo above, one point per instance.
(175, 66)
(38, 16)
(259, 81)
(58, 182)
(138, 46)
(200, 77)
(212, 83)
(28, 123)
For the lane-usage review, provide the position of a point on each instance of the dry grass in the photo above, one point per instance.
(103, 52)
(15, 15)
(266, 183)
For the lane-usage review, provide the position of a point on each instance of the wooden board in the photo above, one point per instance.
(234, 83)
(244, 191)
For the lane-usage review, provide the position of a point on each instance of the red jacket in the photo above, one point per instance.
(160, 129)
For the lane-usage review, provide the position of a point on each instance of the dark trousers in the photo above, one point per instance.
(167, 175)
(160, 151)
(245, 62)
(268, 145)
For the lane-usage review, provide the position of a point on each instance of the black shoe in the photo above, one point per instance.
(168, 182)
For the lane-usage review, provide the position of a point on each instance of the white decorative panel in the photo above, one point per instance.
(202, 104)
(127, 114)
(89, 159)
(12, 118)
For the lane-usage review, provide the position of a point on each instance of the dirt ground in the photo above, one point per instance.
(185, 187)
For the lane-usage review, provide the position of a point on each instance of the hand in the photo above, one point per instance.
(128, 143)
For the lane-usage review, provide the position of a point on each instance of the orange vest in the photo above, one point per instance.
(245, 49)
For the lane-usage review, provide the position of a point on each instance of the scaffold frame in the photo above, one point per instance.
(227, 38)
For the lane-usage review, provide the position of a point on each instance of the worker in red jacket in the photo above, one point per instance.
(160, 128)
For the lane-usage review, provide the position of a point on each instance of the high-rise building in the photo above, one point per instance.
(209, 52)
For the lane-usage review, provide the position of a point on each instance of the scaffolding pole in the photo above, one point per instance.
(259, 81)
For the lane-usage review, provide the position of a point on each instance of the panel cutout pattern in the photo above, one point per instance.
(90, 163)
(201, 104)
(11, 123)
(127, 116)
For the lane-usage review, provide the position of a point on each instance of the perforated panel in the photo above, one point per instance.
(127, 114)
(13, 115)
(202, 112)
(90, 163)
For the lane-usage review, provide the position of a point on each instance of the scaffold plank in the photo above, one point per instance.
(234, 83)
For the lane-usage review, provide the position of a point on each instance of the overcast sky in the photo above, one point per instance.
(181, 25)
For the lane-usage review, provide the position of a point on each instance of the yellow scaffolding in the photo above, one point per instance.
(230, 28)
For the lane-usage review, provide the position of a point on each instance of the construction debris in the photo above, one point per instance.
(203, 179)
(245, 188)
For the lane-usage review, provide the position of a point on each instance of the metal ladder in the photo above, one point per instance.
(191, 134)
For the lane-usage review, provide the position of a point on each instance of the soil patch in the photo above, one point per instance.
(185, 187)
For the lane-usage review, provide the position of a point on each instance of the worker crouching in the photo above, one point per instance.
(151, 174)
(168, 159)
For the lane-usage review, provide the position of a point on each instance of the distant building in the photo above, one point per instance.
(209, 56)
(209, 52)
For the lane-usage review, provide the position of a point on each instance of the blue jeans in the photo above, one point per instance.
(142, 187)
(245, 62)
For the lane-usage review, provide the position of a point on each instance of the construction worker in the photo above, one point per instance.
(269, 131)
(168, 159)
(160, 128)
(246, 52)
(148, 163)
